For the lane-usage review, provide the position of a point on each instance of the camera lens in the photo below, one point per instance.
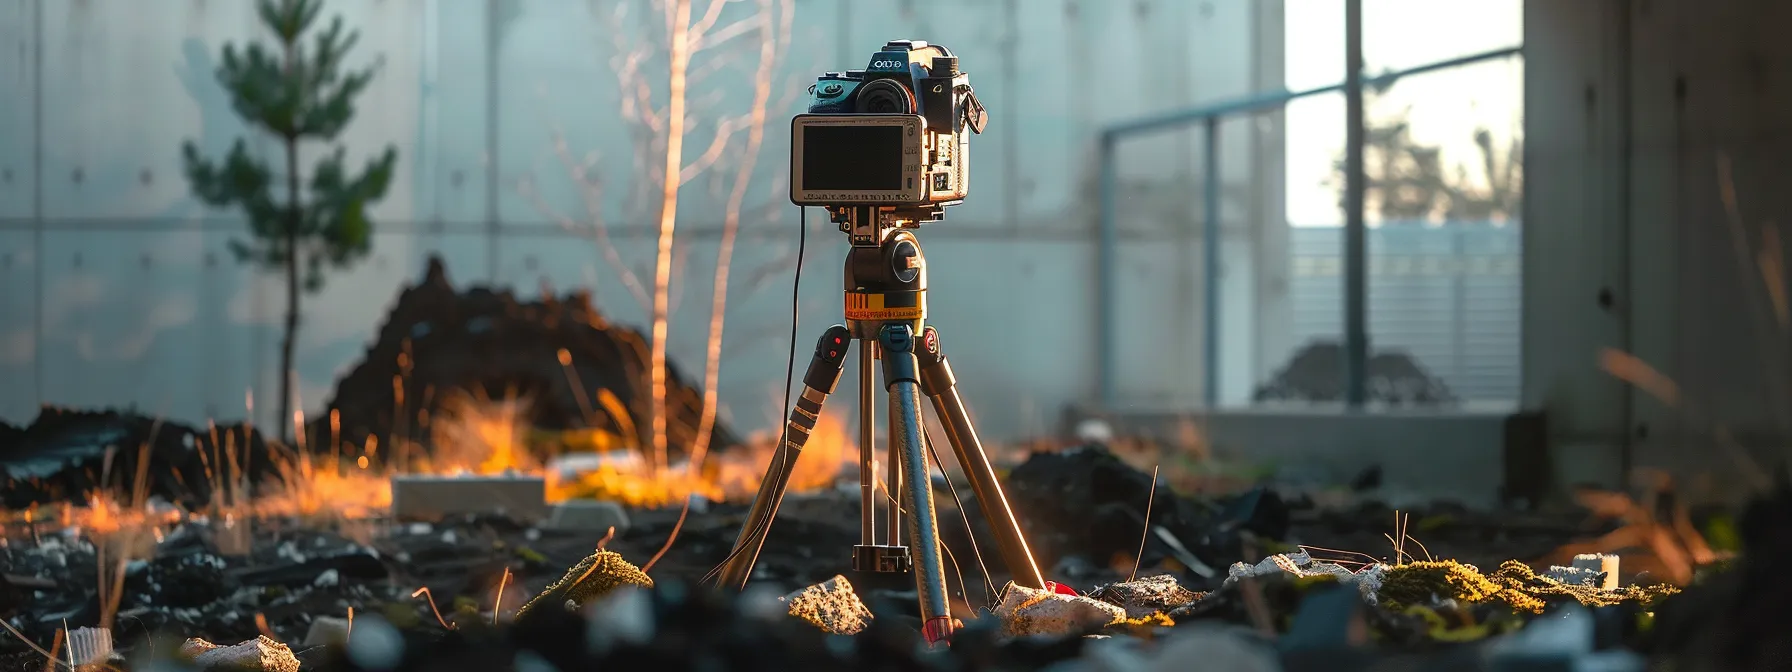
(885, 96)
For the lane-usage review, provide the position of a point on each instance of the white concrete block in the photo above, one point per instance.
(522, 498)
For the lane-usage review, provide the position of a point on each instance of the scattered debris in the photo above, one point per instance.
(830, 605)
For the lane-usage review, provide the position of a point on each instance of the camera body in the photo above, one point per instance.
(895, 136)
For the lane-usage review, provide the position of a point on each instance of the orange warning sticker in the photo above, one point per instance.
(871, 307)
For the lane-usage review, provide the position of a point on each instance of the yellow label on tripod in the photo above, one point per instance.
(896, 306)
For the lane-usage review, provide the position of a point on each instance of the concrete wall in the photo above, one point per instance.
(115, 289)
(1631, 109)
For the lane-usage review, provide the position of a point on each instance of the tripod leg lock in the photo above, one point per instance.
(830, 359)
(936, 373)
(898, 343)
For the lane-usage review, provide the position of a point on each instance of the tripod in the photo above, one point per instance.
(886, 308)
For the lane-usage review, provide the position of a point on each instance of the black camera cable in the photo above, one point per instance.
(796, 293)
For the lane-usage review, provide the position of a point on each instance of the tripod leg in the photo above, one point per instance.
(937, 383)
(902, 378)
(818, 382)
(867, 444)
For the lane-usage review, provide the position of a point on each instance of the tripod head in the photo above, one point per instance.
(868, 226)
(886, 276)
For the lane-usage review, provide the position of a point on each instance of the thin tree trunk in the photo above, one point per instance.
(292, 284)
(662, 274)
(743, 176)
(292, 262)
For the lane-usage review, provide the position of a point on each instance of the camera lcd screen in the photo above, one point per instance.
(852, 158)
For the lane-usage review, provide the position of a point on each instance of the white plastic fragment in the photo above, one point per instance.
(90, 645)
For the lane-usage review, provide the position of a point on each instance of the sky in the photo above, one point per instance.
(1447, 106)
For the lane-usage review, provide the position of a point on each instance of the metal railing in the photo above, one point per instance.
(1210, 116)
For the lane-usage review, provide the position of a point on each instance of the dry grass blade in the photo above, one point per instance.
(424, 591)
(56, 648)
(685, 511)
(261, 626)
(1370, 558)
(497, 604)
(349, 630)
(1150, 498)
(1422, 548)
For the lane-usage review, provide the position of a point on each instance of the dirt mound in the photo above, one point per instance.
(437, 341)
(1316, 373)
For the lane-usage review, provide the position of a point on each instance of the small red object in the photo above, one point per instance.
(1060, 588)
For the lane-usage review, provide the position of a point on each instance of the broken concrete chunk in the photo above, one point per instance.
(1147, 596)
(593, 577)
(830, 605)
(256, 655)
(1026, 611)
(588, 515)
(1300, 565)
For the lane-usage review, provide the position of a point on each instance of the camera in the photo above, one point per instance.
(894, 136)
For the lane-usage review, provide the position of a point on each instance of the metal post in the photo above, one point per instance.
(1210, 267)
(1106, 291)
(492, 29)
(39, 264)
(1356, 336)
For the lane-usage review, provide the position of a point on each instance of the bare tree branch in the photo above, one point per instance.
(724, 130)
